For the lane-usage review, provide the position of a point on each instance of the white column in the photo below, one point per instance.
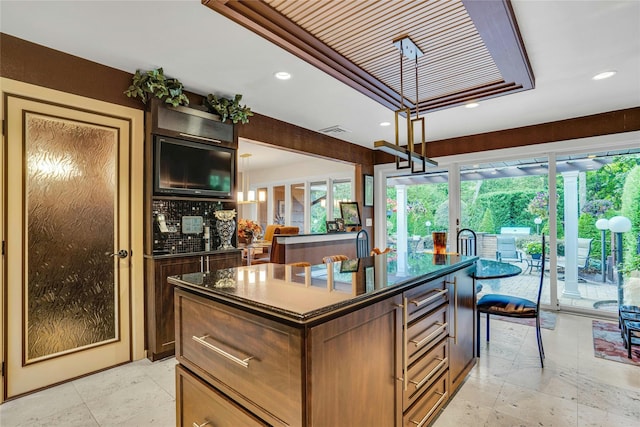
(571, 235)
(401, 228)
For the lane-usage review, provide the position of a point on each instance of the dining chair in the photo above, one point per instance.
(362, 244)
(378, 251)
(467, 244)
(334, 258)
(299, 264)
(271, 255)
(513, 306)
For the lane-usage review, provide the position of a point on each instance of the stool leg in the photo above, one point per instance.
(629, 343)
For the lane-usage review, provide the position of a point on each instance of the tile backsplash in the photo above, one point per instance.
(174, 240)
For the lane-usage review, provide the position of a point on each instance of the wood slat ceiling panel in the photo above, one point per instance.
(352, 40)
(455, 57)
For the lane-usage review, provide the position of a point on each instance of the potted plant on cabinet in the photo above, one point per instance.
(228, 108)
(147, 84)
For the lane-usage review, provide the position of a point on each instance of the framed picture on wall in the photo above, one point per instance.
(350, 213)
(368, 190)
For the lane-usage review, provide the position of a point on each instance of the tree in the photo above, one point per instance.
(630, 208)
(487, 224)
(607, 182)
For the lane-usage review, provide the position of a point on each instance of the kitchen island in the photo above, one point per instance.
(362, 342)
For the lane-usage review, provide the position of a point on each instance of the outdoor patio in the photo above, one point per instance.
(592, 290)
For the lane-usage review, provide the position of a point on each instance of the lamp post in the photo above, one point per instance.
(619, 225)
(537, 222)
(603, 225)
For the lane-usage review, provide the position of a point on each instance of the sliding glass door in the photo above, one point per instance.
(592, 189)
(569, 197)
(506, 204)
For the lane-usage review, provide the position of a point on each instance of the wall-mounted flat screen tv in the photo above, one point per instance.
(187, 168)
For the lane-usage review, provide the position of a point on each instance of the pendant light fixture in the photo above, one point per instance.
(245, 195)
(416, 161)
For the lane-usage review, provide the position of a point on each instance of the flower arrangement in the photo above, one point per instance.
(247, 229)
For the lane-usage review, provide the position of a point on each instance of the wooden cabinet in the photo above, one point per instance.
(462, 327)
(160, 323)
(199, 404)
(257, 360)
(426, 350)
(394, 361)
(356, 368)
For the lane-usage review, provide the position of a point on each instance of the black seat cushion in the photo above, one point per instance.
(506, 305)
(630, 308)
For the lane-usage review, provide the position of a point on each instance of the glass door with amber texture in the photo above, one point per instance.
(68, 243)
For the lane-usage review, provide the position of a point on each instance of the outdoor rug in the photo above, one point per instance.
(547, 320)
(608, 344)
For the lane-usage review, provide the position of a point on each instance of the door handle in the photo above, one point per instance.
(121, 254)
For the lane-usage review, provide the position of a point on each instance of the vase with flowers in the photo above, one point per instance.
(248, 230)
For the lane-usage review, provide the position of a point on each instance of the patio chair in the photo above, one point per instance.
(584, 252)
(506, 250)
(514, 307)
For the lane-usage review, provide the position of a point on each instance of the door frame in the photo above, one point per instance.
(136, 119)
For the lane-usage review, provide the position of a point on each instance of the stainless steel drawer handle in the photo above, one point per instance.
(441, 327)
(443, 397)
(431, 298)
(195, 424)
(442, 363)
(242, 362)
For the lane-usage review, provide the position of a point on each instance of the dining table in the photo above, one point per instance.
(492, 269)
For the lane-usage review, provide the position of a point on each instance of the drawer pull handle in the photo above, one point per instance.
(442, 363)
(420, 423)
(206, 423)
(242, 362)
(441, 327)
(431, 298)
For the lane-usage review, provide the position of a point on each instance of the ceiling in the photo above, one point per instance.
(566, 43)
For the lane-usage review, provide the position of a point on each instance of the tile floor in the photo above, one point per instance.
(506, 388)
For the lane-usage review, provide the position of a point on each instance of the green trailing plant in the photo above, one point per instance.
(228, 108)
(153, 83)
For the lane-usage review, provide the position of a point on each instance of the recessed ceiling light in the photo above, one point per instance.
(471, 105)
(385, 124)
(604, 75)
(282, 75)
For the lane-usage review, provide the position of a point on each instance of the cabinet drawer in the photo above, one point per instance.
(199, 404)
(427, 407)
(258, 359)
(426, 331)
(425, 298)
(424, 372)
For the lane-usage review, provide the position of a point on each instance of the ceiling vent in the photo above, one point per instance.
(334, 129)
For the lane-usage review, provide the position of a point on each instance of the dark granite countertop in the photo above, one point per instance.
(304, 295)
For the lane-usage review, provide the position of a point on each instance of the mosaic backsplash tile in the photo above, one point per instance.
(174, 240)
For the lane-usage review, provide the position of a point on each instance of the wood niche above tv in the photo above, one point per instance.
(189, 123)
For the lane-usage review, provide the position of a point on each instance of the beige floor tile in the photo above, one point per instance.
(507, 387)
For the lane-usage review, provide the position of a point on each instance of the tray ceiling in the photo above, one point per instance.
(472, 50)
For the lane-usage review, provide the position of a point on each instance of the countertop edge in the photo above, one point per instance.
(317, 316)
